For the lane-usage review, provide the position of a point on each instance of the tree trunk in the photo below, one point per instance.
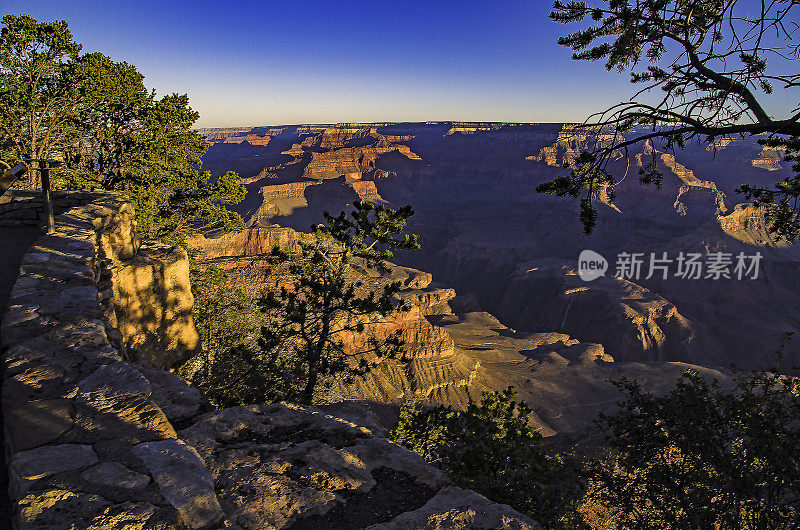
(313, 363)
(308, 392)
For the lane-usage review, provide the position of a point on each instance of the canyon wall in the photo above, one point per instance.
(434, 362)
(455, 351)
(332, 164)
(512, 252)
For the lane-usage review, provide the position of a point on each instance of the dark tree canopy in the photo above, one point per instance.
(491, 448)
(704, 69)
(36, 104)
(702, 456)
(109, 131)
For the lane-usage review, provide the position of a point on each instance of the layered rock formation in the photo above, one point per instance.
(748, 224)
(434, 363)
(252, 241)
(252, 139)
(367, 191)
(337, 162)
(570, 142)
(769, 158)
(512, 252)
(630, 321)
(454, 357)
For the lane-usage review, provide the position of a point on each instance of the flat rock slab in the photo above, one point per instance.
(35, 423)
(183, 480)
(115, 475)
(126, 516)
(52, 459)
(61, 509)
(19, 313)
(454, 507)
(112, 382)
(179, 401)
(29, 466)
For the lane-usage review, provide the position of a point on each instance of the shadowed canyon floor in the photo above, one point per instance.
(511, 256)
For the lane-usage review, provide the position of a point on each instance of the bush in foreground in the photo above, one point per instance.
(491, 448)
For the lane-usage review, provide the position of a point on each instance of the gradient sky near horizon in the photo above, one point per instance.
(246, 63)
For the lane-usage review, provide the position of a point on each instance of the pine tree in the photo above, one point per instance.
(710, 60)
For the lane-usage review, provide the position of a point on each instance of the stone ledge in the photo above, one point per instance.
(77, 417)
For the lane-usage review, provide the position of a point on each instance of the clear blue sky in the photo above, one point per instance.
(280, 62)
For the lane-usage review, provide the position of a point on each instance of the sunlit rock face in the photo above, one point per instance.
(508, 251)
(770, 159)
(429, 348)
(341, 159)
(251, 241)
(275, 466)
(153, 304)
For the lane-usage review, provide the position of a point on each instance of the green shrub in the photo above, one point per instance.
(491, 448)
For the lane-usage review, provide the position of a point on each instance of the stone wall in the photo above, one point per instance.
(86, 439)
(26, 208)
(145, 291)
(96, 442)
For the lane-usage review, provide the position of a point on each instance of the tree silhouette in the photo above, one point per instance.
(97, 117)
(323, 303)
(704, 69)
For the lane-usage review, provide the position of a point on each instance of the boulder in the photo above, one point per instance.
(153, 302)
(282, 464)
(183, 480)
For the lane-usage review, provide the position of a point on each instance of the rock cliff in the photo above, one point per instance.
(337, 162)
(770, 158)
(152, 305)
(97, 442)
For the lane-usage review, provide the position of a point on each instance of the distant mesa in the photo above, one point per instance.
(252, 139)
(769, 158)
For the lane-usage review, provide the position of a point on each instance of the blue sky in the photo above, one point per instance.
(279, 62)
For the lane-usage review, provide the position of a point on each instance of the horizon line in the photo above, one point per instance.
(387, 123)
